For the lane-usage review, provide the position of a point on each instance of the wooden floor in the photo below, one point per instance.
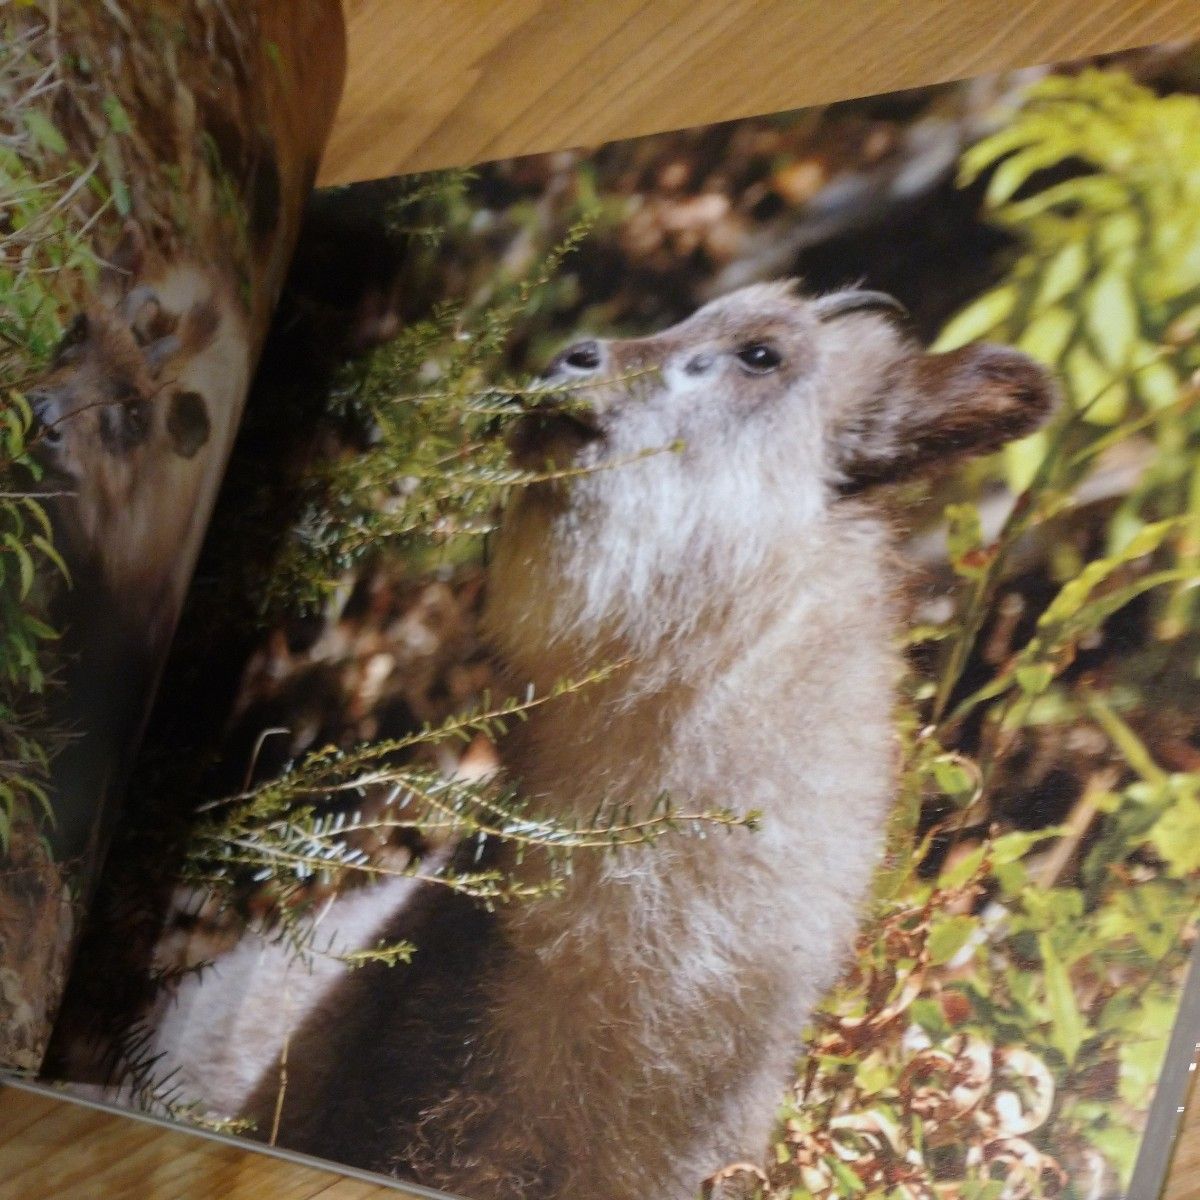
(51, 1150)
(440, 82)
(436, 83)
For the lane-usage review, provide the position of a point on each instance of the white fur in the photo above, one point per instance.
(221, 1030)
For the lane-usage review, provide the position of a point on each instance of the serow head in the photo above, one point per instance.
(823, 396)
(675, 475)
(108, 402)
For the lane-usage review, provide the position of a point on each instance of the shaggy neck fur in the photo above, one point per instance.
(661, 994)
(637, 564)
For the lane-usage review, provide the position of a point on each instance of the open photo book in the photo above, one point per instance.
(641, 672)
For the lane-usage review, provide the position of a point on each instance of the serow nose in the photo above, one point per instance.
(583, 356)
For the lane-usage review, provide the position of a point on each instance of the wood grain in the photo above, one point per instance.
(1184, 1180)
(435, 83)
(53, 1150)
(441, 82)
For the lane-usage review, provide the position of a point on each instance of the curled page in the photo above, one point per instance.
(154, 159)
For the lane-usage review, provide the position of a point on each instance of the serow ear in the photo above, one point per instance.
(945, 407)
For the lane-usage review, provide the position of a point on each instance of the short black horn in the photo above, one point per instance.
(838, 304)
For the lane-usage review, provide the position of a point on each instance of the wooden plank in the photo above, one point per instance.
(442, 82)
(1184, 1180)
(53, 1150)
(16, 1118)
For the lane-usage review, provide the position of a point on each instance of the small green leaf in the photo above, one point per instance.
(1024, 458)
(1176, 835)
(977, 320)
(1098, 392)
(1047, 336)
(44, 132)
(118, 118)
(24, 562)
(1015, 171)
(1065, 271)
(848, 1183)
(1068, 1030)
(948, 936)
(952, 778)
(51, 552)
(1112, 319)
(1158, 384)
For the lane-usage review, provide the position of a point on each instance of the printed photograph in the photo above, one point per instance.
(693, 684)
(149, 200)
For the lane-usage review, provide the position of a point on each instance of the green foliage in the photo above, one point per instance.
(296, 829)
(24, 539)
(1005, 1024)
(437, 468)
(41, 236)
(1113, 264)
(1108, 290)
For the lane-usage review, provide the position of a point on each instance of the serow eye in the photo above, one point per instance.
(759, 357)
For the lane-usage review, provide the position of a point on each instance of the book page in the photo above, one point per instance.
(693, 687)
(154, 159)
